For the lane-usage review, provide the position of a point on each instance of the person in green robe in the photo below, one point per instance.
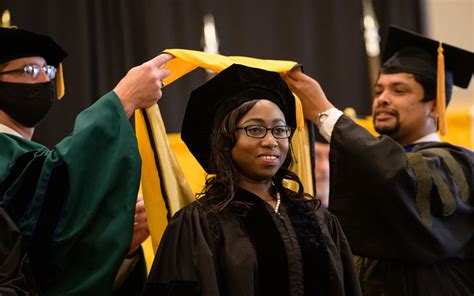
(74, 204)
(248, 234)
(405, 199)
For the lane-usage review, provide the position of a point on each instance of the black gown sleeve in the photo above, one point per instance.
(184, 263)
(342, 273)
(385, 213)
(132, 275)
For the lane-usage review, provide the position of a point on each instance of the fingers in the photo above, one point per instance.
(294, 78)
(157, 64)
(294, 74)
(160, 60)
(140, 222)
(140, 204)
(140, 213)
(162, 74)
(140, 227)
(139, 217)
(141, 87)
(292, 83)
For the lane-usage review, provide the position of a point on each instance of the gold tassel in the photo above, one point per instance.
(441, 93)
(6, 19)
(60, 88)
(299, 114)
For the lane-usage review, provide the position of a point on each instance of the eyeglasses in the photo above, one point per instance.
(34, 71)
(258, 131)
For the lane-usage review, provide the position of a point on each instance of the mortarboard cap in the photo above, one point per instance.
(233, 86)
(17, 43)
(409, 52)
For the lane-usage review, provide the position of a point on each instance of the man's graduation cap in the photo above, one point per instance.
(17, 43)
(441, 63)
(211, 102)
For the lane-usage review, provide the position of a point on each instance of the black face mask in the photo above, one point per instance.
(27, 103)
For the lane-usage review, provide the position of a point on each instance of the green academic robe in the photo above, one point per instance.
(75, 204)
(411, 215)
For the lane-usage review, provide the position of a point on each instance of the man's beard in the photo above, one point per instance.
(387, 130)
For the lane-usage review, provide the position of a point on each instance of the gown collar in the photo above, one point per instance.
(429, 138)
(7, 130)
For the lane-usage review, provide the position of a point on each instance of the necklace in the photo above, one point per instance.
(277, 206)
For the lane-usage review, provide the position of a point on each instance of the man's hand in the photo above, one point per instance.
(142, 85)
(309, 91)
(140, 226)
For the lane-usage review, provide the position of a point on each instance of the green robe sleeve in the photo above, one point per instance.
(75, 203)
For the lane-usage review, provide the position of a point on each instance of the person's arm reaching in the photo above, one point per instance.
(141, 87)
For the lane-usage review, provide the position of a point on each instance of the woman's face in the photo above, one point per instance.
(259, 159)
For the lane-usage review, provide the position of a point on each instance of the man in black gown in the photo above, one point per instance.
(405, 199)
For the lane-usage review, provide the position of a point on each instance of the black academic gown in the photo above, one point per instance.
(410, 214)
(16, 277)
(253, 252)
(133, 274)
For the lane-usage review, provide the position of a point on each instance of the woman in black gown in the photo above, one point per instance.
(248, 234)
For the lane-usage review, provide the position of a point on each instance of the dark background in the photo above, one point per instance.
(106, 38)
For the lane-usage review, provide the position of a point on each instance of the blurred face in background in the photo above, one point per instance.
(321, 169)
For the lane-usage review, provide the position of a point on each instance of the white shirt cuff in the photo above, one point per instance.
(328, 125)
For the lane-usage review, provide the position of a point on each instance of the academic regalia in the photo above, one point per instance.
(408, 213)
(132, 275)
(253, 252)
(247, 247)
(17, 43)
(423, 239)
(75, 204)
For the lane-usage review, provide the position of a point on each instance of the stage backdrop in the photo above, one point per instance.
(106, 38)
